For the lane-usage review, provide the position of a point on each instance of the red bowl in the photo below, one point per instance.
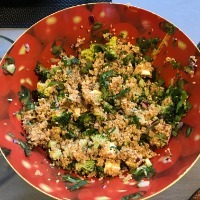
(67, 25)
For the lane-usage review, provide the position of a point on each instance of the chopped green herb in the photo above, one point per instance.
(66, 61)
(11, 135)
(70, 135)
(58, 85)
(134, 120)
(137, 195)
(89, 132)
(176, 65)
(104, 78)
(189, 130)
(75, 61)
(78, 185)
(23, 144)
(26, 148)
(128, 58)
(147, 44)
(37, 95)
(85, 120)
(167, 27)
(144, 171)
(162, 139)
(97, 26)
(110, 54)
(57, 48)
(99, 48)
(26, 98)
(76, 182)
(100, 171)
(112, 130)
(108, 107)
(173, 113)
(189, 70)
(63, 119)
(122, 93)
(144, 138)
(86, 68)
(70, 178)
(42, 72)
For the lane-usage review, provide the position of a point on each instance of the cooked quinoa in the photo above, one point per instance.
(100, 113)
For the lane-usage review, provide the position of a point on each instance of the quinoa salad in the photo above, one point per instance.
(105, 111)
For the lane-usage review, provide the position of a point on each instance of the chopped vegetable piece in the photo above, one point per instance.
(143, 183)
(144, 171)
(9, 68)
(86, 167)
(9, 65)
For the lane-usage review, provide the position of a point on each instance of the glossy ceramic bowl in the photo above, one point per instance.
(90, 21)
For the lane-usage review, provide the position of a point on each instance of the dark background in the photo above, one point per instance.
(24, 13)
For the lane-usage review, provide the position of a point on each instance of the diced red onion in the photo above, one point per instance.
(91, 19)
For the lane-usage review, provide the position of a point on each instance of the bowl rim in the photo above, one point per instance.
(103, 3)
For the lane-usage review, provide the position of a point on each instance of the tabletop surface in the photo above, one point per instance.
(185, 15)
